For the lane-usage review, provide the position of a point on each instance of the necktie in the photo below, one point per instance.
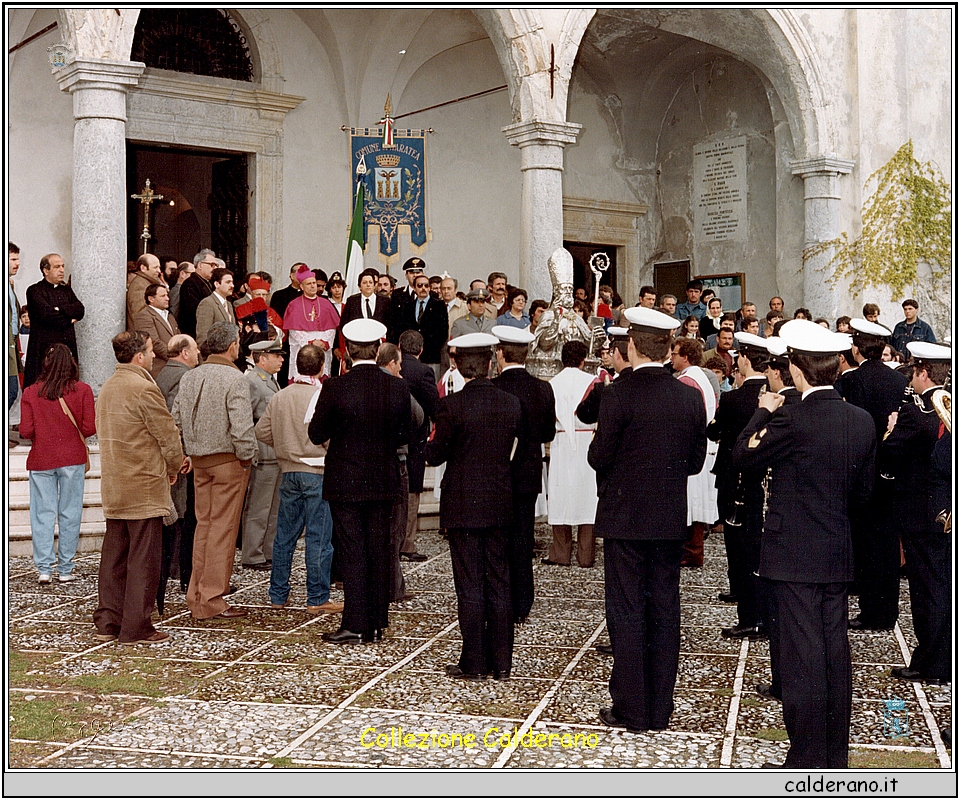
(369, 312)
(479, 323)
(419, 309)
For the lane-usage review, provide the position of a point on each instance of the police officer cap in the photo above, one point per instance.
(414, 265)
(268, 346)
(507, 334)
(926, 351)
(804, 336)
(869, 328)
(650, 320)
(472, 340)
(617, 333)
(364, 331)
(478, 294)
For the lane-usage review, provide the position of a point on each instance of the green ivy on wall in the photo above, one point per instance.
(905, 222)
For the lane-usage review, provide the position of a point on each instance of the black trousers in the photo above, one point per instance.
(877, 563)
(815, 673)
(398, 532)
(361, 537)
(643, 615)
(521, 553)
(770, 617)
(747, 561)
(928, 575)
(481, 575)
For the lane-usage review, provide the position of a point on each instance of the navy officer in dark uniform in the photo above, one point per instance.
(823, 453)
(650, 438)
(539, 424)
(365, 415)
(476, 435)
(907, 455)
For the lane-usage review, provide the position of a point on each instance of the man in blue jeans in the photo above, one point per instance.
(283, 426)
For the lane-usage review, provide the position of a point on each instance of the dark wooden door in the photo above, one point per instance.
(228, 214)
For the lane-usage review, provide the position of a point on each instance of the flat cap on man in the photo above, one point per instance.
(508, 334)
(364, 331)
(650, 320)
(804, 336)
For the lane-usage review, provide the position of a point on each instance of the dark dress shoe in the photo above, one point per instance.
(765, 690)
(727, 597)
(907, 674)
(743, 632)
(552, 563)
(608, 718)
(857, 624)
(343, 636)
(771, 765)
(412, 557)
(502, 675)
(231, 612)
(375, 636)
(261, 567)
(604, 649)
(454, 671)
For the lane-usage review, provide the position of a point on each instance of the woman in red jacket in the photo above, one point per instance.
(57, 458)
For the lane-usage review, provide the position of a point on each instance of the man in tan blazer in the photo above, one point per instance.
(156, 320)
(216, 307)
(148, 274)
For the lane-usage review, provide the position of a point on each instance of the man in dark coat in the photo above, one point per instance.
(477, 431)
(906, 455)
(54, 309)
(733, 412)
(650, 438)
(822, 450)
(402, 296)
(422, 385)
(194, 289)
(539, 427)
(366, 303)
(878, 390)
(365, 415)
(428, 315)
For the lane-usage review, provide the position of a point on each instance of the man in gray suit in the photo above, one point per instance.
(156, 320)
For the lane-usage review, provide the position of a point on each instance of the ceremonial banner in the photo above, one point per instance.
(394, 188)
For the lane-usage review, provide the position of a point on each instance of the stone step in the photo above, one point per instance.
(91, 538)
(19, 487)
(92, 512)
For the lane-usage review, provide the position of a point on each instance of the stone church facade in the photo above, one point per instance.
(596, 126)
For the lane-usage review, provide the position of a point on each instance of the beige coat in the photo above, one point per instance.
(139, 446)
(136, 286)
(149, 321)
(282, 428)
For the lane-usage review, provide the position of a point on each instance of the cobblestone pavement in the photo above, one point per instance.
(264, 691)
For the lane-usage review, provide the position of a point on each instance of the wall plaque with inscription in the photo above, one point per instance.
(720, 190)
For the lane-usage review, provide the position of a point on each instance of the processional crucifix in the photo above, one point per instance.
(146, 197)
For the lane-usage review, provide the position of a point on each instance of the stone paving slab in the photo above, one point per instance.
(557, 607)
(105, 758)
(215, 729)
(284, 683)
(46, 606)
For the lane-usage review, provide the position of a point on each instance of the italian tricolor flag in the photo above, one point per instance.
(355, 243)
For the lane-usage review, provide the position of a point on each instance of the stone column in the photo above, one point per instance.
(821, 211)
(99, 247)
(541, 146)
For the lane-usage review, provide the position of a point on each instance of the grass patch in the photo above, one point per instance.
(26, 754)
(282, 763)
(749, 702)
(772, 734)
(65, 718)
(21, 663)
(892, 759)
(723, 692)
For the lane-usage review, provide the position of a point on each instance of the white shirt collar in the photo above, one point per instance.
(813, 389)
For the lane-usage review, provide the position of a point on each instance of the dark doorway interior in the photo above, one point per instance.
(670, 277)
(205, 204)
(582, 275)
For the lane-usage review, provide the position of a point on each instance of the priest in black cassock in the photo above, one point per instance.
(54, 309)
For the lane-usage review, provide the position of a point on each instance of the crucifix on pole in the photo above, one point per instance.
(146, 197)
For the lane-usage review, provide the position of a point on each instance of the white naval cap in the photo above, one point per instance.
(804, 336)
(508, 334)
(870, 328)
(750, 340)
(650, 320)
(471, 340)
(776, 346)
(364, 331)
(927, 351)
(614, 332)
